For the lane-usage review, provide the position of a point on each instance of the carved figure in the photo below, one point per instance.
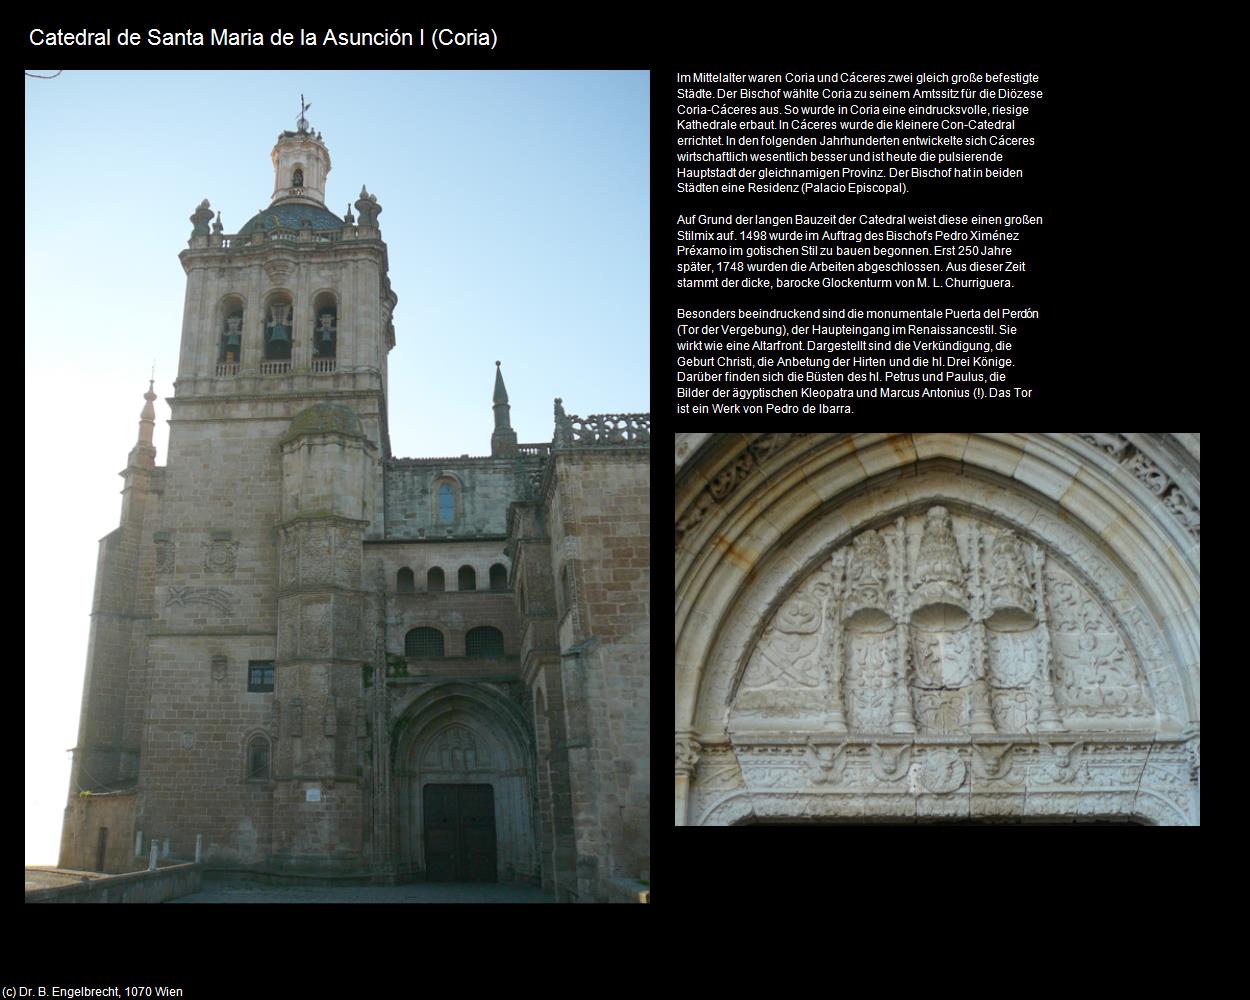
(867, 572)
(890, 765)
(938, 560)
(1010, 577)
(827, 765)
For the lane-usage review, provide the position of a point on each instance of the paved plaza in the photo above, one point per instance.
(420, 892)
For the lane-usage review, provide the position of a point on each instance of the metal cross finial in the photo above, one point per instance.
(302, 122)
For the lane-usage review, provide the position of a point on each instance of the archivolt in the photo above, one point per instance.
(756, 512)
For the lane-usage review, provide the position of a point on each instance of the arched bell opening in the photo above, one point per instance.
(325, 332)
(230, 342)
(278, 328)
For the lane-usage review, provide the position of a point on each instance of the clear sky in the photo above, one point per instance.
(515, 208)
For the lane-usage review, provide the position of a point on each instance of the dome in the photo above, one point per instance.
(291, 215)
(324, 418)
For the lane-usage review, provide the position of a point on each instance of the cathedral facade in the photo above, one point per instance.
(937, 628)
(310, 657)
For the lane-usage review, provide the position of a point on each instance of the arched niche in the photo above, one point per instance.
(760, 518)
(325, 318)
(230, 333)
(456, 734)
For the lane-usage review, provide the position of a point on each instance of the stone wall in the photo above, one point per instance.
(135, 887)
(85, 817)
(485, 488)
(599, 525)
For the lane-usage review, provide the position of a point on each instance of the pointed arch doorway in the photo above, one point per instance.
(463, 788)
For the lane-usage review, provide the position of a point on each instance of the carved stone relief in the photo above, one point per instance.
(164, 556)
(1140, 465)
(220, 556)
(943, 625)
(730, 476)
(213, 596)
(1151, 780)
(982, 655)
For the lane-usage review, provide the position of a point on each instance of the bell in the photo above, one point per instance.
(326, 340)
(280, 334)
(232, 341)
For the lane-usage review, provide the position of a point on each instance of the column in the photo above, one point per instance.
(688, 750)
(903, 721)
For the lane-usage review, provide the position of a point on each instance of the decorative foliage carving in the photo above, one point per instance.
(728, 479)
(603, 429)
(1094, 670)
(786, 655)
(870, 681)
(687, 754)
(1140, 465)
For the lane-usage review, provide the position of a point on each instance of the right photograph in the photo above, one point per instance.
(937, 629)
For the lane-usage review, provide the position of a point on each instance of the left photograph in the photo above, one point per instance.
(311, 662)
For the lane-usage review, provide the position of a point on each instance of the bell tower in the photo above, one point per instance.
(255, 723)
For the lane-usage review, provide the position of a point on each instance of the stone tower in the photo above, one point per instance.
(312, 657)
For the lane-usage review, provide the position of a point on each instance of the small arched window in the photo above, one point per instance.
(326, 332)
(446, 502)
(297, 178)
(423, 643)
(498, 577)
(483, 641)
(258, 758)
(468, 578)
(434, 580)
(405, 583)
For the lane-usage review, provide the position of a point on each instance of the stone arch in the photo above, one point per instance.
(756, 515)
(325, 323)
(278, 324)
(229, 326)
(461, 734)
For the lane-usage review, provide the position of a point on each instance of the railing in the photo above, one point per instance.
(322, 365)
(230, 369)
(275, 367)
(534, 449)
(603, 429)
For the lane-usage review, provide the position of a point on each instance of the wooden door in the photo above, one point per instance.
(460, 833)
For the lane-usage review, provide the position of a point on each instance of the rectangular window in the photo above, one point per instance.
(260, 675)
